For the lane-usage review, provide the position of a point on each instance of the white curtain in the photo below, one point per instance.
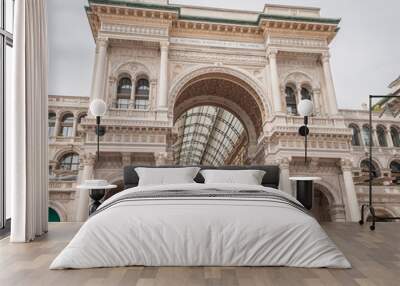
(27, 123)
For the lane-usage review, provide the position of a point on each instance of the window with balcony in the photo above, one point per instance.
(365, 164)
(52, 123)
(355, 139)
(70, 162)
(291, 104)
(381, 133)
(306, 93)
(394, 132)
(124, 92)
(365, 135)
(395, 170)
(142, 94)
(67, 123)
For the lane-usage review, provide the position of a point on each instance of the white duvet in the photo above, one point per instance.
(200, 231)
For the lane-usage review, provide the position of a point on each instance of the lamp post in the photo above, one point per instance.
(98, 108)
(304, 184)
(369, 204)
(305, 108)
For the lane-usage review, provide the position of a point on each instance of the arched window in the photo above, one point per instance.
(81, 116)
(364, 165)
(53, 216)
(291, 104)
(124, 91)
(142, 94)
(394, 132)
(52, 123)
(70, 162)
(365, 135)
(395, 169)
(381, 133)
(355, 139)
(305, 93)
(67, 124)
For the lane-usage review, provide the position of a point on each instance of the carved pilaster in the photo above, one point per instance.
(272, 53)
(284, 182)
(329, 83)
(126, 159)
(163, 91)
(317, 101)
(351, 197)
(58, 123)
(161, 158)
(88, 159)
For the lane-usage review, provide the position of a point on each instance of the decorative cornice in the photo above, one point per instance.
(177, 9)
(173, 14)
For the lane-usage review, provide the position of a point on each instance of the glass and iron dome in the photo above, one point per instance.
(207, 136)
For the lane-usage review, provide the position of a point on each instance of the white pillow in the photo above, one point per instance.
(248, 177)
(166, 176)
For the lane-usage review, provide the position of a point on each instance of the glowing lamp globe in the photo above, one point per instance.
(98, 107)
(305, 107)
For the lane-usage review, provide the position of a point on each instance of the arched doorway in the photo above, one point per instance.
(238, 108)
(53, 216)
(321, 206)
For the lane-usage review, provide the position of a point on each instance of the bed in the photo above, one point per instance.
(198, 224)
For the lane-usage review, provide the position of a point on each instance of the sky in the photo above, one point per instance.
(365, 55)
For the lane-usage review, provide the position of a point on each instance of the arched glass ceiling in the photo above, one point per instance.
(207, 135)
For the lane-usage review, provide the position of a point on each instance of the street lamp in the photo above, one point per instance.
(305, 108)
(98, 108)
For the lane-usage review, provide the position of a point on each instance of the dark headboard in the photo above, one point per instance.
(270, 179)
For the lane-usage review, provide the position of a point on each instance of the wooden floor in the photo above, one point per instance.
(375, 257)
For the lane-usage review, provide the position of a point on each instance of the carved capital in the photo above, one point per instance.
(346, 164)
(126, 159)
(102, 42)
(325, 56)
(164, 46)
(272, 53)
(316, 90)
(88, 159)
(161, 158)
(284, 163)
(112, 79)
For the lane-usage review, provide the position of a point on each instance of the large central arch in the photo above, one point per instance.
(224, 87)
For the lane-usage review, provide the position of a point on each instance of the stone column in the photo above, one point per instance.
(88, 162)
(153, 94)
(298, 93)
(389, 138)
(126, 159)
(284, 182)
(163, 78)
(329, 84)
(75, 124)
(273, 67)
(316, 98)
(57, 125)
(375, 140)
(351, 197)
(99, 69)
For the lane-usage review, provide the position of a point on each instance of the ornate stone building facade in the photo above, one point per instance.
(191, 85)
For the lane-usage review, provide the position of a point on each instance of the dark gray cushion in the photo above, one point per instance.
(270, 179)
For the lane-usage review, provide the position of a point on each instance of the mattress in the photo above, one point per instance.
(201, 225)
